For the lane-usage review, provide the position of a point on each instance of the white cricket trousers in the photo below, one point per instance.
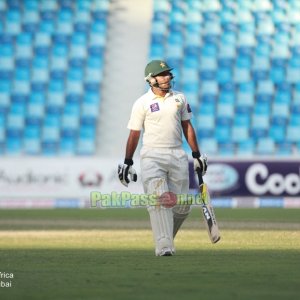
(165, 170)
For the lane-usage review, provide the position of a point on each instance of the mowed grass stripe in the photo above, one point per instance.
(187, 239)
(270, 218)
(95, 214)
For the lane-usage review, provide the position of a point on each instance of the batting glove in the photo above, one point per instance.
(200, 162)
(125, 171)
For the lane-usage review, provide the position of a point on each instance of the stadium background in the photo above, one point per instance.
(70, 71)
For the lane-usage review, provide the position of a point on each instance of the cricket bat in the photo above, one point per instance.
(208, 211)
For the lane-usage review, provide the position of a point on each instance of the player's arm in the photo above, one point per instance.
(190, 135)
(200, 161)
(132, 142)
(135, 124)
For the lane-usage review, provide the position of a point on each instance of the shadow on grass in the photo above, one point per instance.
(138, 274)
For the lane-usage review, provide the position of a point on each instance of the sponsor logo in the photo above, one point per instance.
(206, 212)
(154, 107)
(259, 181)
(31, 178)
(221, 177)
(90, 179)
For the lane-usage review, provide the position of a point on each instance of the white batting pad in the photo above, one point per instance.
(161, 218)
(180, 213)
(162, 227)
(178, 220)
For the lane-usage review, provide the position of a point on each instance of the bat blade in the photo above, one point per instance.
(209, 214)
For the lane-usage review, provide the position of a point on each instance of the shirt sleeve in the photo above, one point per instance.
(186, 112)
(136, 121)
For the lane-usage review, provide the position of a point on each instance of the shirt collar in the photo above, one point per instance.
(170, 93)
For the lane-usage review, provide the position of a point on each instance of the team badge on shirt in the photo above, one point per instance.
(178, 103)
(154, 107)
(189, 108)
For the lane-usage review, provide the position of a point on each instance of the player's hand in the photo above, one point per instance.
(126, 172)
(200, 162)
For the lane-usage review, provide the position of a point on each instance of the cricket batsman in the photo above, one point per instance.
(162, 114)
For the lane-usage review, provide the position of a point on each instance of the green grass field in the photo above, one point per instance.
(108, 254)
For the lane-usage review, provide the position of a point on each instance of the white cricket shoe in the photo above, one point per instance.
(165, 252)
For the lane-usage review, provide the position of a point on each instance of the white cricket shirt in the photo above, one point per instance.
(160, 118)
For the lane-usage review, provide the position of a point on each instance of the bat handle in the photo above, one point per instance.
(199, 176)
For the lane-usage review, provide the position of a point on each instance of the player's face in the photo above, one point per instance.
(164, 80)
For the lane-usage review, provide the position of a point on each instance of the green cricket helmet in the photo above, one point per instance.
(156, 67)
